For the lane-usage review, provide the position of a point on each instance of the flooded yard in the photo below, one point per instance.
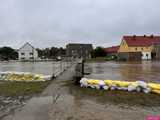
(46, 68)
(62, 100)
(130, 71)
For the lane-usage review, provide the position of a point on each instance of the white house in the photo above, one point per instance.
(27, 52)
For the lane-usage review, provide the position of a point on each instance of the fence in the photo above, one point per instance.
(63, 65)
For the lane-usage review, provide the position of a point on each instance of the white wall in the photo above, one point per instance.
(27, 49)
(146, 56)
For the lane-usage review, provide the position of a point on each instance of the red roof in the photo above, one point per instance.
(113, 49)
(142, 40)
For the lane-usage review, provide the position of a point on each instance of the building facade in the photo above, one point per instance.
(79, 50)
(138, 45)
(27, 53)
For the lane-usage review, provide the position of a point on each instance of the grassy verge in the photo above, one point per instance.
(115, 97)
(22, 88)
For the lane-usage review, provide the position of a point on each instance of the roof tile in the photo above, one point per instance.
(141, 40)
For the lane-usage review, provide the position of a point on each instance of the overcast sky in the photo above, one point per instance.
(46, 23)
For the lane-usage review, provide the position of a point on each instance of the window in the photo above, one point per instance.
(146, 55)
(22, 58)
(136, 49)
(31, 58)
(141, 48)
(31, 53)
(22, 53)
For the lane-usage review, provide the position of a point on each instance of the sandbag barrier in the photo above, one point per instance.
(138, 86)
(22, 76)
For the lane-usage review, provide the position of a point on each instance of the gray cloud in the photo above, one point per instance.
(46, 23)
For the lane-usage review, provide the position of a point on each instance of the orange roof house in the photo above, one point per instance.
(139, 44)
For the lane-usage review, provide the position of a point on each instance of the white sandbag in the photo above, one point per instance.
(92, 86)
(97, 87)
(83, 82)
(105, 87)
(122, 88)
(101, 83)
(131, 88)
(138, 89)
(147, 90)
(113, 87)
(142, 84)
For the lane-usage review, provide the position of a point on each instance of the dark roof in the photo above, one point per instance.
(141, 40)
(113, 49)
(78, 44)
(75, 45)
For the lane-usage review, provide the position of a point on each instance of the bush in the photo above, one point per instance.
(111, 57)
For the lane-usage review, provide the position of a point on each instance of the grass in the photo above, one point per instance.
(115, 97)
(22, 88)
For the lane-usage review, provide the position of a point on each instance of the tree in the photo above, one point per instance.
(51, 53)
(8, 53)
(98, 52)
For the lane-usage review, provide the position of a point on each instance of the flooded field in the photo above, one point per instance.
(47, 68)
(129, 71)
(62, 100)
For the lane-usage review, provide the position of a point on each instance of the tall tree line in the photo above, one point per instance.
(51, 53)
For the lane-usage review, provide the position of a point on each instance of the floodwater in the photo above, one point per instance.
(68, 102)
(130, 71)
(47, 68)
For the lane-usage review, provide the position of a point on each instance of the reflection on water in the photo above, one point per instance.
(130, 71)
(47, 68)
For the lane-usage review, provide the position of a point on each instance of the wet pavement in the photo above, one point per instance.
(63, 102)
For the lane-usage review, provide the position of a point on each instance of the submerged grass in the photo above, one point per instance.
(22, 88)
(115, 97)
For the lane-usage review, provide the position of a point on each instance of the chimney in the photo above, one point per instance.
(134, 36)
(144, 35)
(152, 36)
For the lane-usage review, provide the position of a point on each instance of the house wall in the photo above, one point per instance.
(129, 56)
(131, 52)
(140, 49)
(146, 56)
(123, 47)
(79, 50)
(25, 53)
(156, 52)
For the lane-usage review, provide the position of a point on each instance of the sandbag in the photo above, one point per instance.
(22, 76)
(156, 91)
(154, 86)
(138, 86)
(91, 81)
